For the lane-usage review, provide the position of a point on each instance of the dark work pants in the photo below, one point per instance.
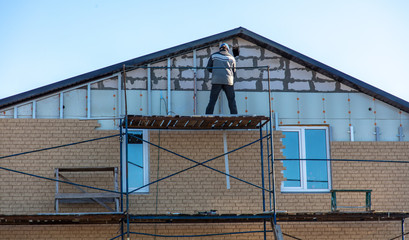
(214, 93)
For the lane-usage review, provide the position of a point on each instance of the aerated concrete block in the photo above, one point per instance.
(110, 83)
(245, 63)
(299, 86)
(159, 73)
(248, 73)
(301, 74)
(174, 73)
(274, 74)
(269, 54)
(202, 53)
(294, 65)
(183, 61)
(324, 86)
(274, 85)
(272, 63)
(319, 76)
(250, 52)
(160, 85)
(200, 74)
(185, 85)
(245, 85)
(188, 73)
(137, 84)
(346, 88)
(243, 42)
(137, 73)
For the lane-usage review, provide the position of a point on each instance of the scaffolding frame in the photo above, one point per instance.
(177, 122)
(208, 123)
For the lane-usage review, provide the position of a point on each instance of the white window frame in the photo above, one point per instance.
(145, 151)
(303, 168)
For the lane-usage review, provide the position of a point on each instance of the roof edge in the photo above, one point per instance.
(115, 68)
(203, 42)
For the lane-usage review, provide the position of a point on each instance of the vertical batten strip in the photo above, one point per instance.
(119, 100)
(194, 82)
(169, 110)
(226, 160)
(34, 106)
(149, 90)
(61, 105)
(88, 101)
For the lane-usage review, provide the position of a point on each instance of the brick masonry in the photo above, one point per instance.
(198, 189)
(305, 231)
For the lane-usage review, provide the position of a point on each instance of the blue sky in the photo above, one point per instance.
(45, 41)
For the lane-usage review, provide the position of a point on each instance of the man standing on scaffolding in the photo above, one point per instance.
(222, 65)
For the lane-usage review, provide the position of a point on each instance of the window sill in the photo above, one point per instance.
(307, 191)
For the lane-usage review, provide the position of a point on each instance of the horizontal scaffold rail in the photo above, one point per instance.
(196, 122)
(115, 218)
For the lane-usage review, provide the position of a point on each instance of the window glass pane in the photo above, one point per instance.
(135, 161)
(316, 148)
(291, 151)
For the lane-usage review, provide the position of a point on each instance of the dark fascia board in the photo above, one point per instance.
(204, 42)
(325, 70)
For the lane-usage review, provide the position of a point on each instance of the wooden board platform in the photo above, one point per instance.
(115, 218)
(196, 122)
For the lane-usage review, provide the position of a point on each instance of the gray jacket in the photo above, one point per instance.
(222, 65)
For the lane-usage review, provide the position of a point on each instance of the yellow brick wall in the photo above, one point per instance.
(199, 189)
(21, 194)
(389, 181)
(342, 230)
(303, 230)
(98, 232)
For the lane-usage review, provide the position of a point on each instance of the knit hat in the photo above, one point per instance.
(225, 46)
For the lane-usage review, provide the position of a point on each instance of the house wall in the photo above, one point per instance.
(198, 189)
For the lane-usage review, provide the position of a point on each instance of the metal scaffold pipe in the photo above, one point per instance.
(271, 145)
(126, 156)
